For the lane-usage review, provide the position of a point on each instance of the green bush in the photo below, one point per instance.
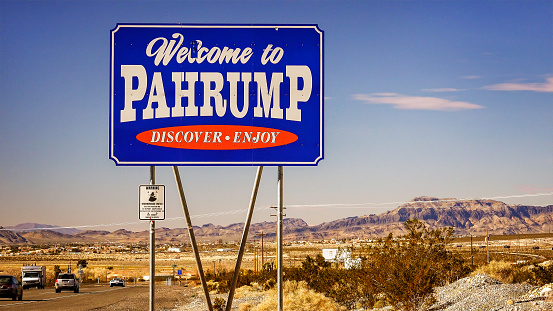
(405, 269)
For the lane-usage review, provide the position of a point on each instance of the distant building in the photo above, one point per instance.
(334, 255)
(330, 254)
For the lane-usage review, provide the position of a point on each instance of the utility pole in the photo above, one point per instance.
(471, 257)
(262, 234)
(255, 259)
(255, 255)
(487, 246)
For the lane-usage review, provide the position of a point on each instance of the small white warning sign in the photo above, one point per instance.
(151, 202)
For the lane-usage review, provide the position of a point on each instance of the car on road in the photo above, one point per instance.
(67, 281)
(117, 282)
(10, 287)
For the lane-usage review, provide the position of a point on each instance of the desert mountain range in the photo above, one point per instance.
(466, 216)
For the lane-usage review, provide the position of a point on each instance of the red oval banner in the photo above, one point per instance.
(217, 137)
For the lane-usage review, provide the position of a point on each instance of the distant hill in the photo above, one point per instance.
(47, 236)
(466, 216)
(33, 226)
(9, 237)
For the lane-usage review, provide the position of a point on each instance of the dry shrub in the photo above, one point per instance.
(98, 272)
(542, 275)
(380, 304)
(11, 271)
(499, 270)
(297, 296)
(219, 304)
(507, 272)
(212, 287)
(245, 306)
(246, 291)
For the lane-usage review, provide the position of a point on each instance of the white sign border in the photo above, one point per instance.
(238, 163)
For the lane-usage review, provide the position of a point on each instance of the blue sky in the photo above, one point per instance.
(437, 98)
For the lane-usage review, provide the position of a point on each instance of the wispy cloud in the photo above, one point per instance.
(414, 102)
(441, 90)
(546, 86)
(470, 77)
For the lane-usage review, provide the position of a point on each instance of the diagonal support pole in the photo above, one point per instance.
(192, 237)
(244, 239)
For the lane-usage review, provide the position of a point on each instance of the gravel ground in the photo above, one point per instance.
(174, 298)
(477, 293)
(483, 293)
(195, 300)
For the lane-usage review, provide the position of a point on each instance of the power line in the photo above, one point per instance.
(333, 205)
(238, 211)
(380, 205)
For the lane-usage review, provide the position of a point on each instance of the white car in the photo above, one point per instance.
(117, 282)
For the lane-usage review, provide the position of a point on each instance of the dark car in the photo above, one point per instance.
(10, 287)
(67, 281)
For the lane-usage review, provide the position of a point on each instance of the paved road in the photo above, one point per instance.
(90, 297)
(527, 255)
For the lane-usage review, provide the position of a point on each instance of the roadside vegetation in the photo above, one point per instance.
(398, 271)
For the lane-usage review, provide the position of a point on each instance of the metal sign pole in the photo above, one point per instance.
(152, 246)
(279, 238)
(244, 238)
(192, 237)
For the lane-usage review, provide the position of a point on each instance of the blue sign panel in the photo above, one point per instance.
(216, 94)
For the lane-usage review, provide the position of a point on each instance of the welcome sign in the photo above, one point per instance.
(216, 94)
